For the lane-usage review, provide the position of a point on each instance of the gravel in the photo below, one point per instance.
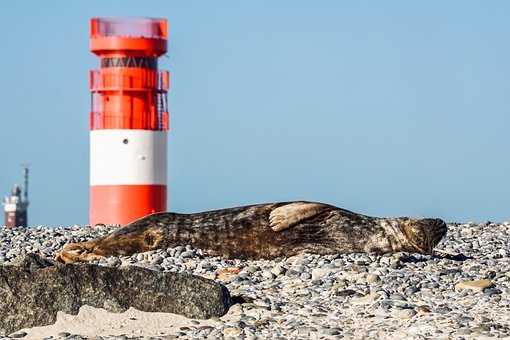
(392, 296)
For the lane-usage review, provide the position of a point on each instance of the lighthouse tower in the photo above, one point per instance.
(128, 119)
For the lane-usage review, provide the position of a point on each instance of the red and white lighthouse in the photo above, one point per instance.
(128, 120)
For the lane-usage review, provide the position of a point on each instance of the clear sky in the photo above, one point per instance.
(382, 107)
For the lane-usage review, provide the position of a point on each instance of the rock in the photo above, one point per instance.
(266, 274)
(475, 285)
(442, 310)
(340, 284)
(492, 291)
(156, 260)
(18, 335)
(305, 276)
(187, 254)
(35, 289)
(231, 332)
(305, 331)
(252, 269)
(227, 274)
(373, 278)
(113, 261)
(345, 292)
(424, 309)
(367, 299)
(320, 273)
(464, 331)
(403, 313)
(329, 331)
(278, 270)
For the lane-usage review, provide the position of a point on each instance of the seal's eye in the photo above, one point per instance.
(418, 235)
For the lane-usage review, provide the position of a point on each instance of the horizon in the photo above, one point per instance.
(393, 109)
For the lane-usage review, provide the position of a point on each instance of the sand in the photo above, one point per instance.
(92, 322)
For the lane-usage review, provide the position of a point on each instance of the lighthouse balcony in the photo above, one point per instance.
(129, 79)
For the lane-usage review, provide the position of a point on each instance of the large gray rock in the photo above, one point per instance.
(35, 289)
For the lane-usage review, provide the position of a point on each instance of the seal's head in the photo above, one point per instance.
(424, 234)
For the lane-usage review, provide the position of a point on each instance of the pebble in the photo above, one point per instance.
(305, 276)
(320, 273)
(278, 270)
(231, 332)
(19, 335)
(373, 278)
(268, 275)
(474, 285)
(403, 313)
(462, 291)
(367, 299)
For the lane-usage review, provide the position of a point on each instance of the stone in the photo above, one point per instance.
(252, 269)
(18, 335)
(156, 260)
(34, 289)
(474, 285)
(231, 332)
(340, 284)
(345, 292)
(305, 276)
(442, 310)
(492, 291)
(113, 261)
(266, 274)
(329, 331)
(187, 254)
(423, 309)
(367, 299)
(403, 313)
(373, 278)
(320, 273)
(278, 270)
(227, 274)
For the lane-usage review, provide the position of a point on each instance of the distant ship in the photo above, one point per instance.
(15, 205)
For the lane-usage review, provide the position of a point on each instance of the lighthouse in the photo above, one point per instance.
(16, 204)
(128, 119)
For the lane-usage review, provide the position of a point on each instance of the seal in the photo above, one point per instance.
(265, 231)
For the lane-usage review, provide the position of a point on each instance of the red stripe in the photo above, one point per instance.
(121, 204)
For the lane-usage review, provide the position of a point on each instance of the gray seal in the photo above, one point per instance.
(265, 231)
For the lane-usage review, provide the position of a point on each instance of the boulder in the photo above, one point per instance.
(33, 290)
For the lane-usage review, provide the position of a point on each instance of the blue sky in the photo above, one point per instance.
(386, 108)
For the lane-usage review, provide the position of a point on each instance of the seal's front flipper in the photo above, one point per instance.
(286, 216)
(78, 252)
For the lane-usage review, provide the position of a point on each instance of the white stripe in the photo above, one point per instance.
(127, 157)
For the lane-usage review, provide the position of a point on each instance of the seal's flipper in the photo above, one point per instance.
(77, 252)
(286, 216)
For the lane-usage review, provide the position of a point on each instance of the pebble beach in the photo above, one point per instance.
(461, 292)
